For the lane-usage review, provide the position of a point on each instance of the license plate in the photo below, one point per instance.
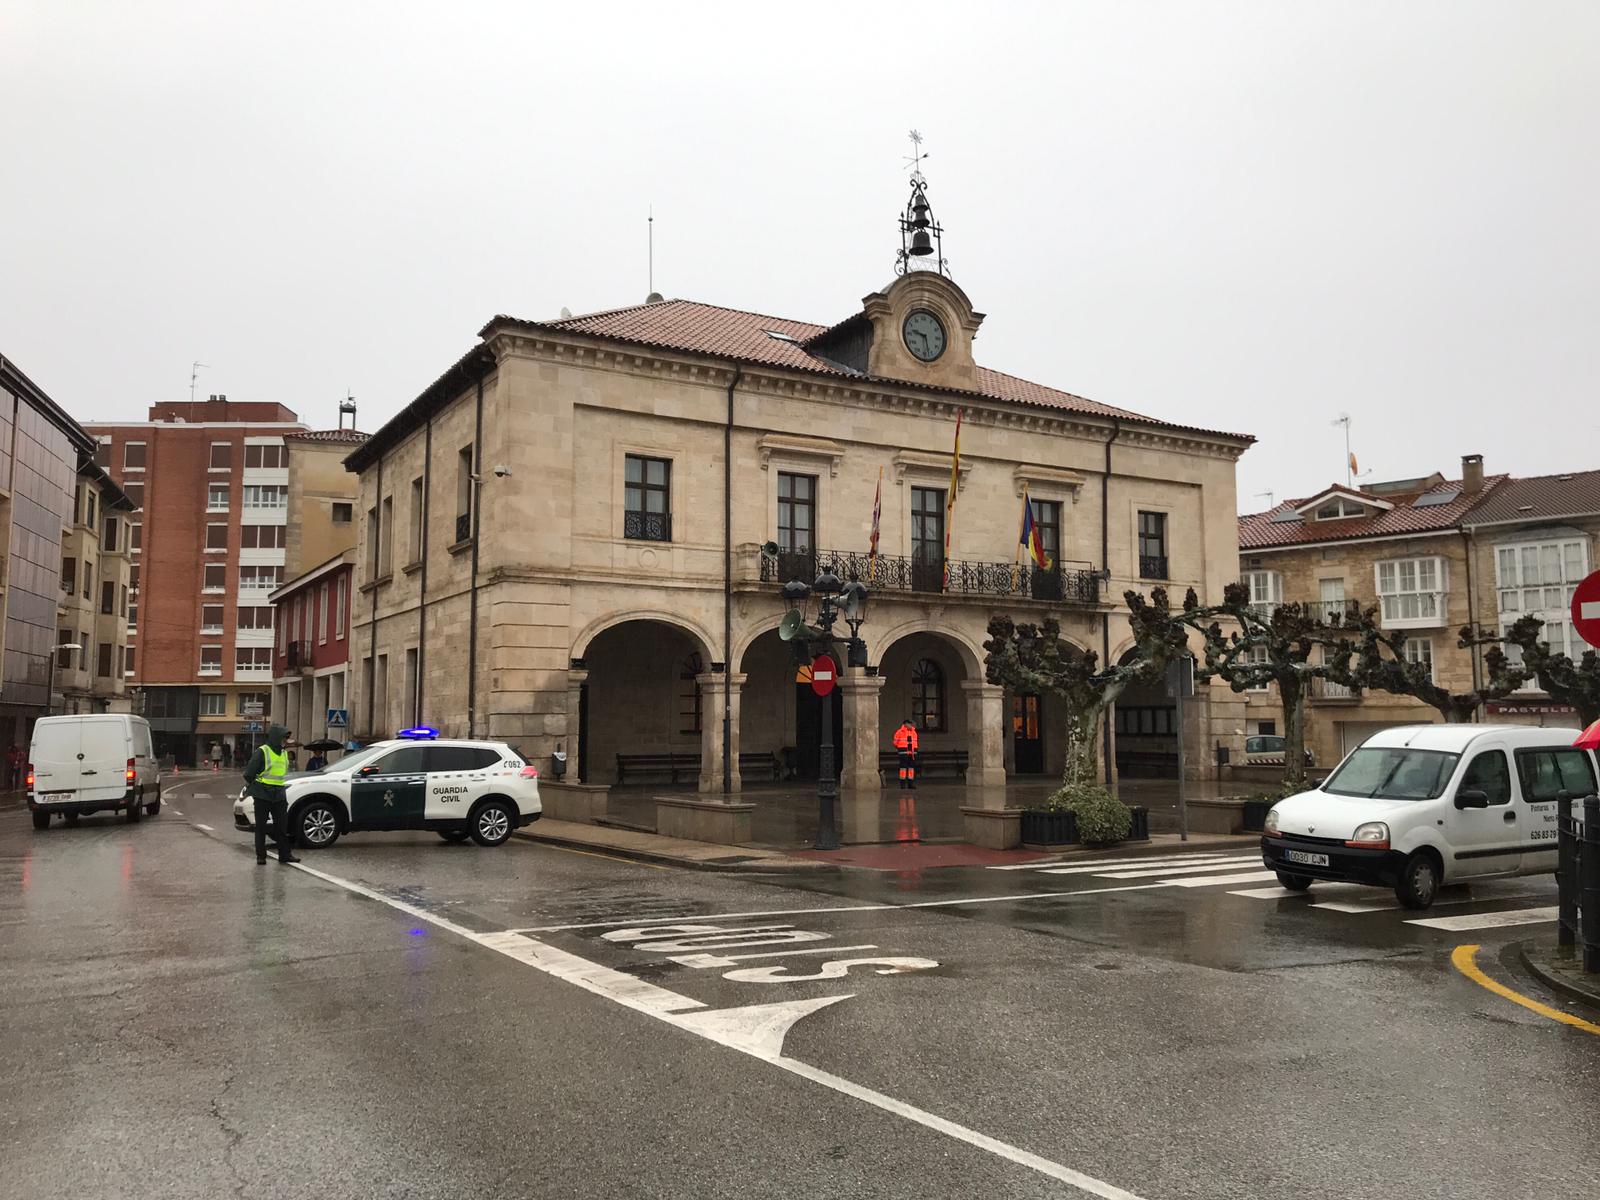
(54, 797)
(1305, 858)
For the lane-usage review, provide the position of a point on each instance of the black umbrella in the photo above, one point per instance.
(323, 745)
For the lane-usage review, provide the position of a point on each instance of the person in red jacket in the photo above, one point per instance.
(905, 741)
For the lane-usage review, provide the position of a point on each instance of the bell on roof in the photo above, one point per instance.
(921, 244)
(921, 238)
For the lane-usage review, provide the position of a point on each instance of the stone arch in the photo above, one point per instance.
(971, 655)
(599, 625)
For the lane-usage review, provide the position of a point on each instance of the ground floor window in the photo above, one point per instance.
(689, 702)
(927, 696)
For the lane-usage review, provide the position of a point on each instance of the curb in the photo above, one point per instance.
(755, 866)
(1554, 981)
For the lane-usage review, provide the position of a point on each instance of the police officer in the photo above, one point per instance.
(264, 776)
(905, 741)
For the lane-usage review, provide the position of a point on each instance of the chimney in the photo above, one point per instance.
(1471, 474)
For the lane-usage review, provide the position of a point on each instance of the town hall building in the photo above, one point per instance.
(575, 538)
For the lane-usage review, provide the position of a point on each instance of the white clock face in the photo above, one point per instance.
(924, 335)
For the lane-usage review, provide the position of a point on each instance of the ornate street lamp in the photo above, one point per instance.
(834, 599)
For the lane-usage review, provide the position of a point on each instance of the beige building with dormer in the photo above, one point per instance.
(561, 542)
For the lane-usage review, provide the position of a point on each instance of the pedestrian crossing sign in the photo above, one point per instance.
(338, 718)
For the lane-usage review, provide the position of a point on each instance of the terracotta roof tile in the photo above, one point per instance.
(731, 333)
(1539, 497)
(1260, 531)
(350, 436)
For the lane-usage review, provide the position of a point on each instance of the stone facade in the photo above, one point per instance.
(96, 594)
(603, 629)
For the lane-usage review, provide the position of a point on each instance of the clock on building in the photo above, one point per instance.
(924, 335)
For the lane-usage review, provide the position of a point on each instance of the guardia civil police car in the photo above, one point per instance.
(418, 780)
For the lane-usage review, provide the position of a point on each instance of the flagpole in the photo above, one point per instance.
(950, 501)
(1016, 552)
(877, 513)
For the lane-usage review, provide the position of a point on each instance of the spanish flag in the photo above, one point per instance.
(1029, 538)
(950, 498)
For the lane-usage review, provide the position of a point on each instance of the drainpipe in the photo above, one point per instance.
(422, 590)
(727, 587)
(472, 610)
(1105, 565)
(372, 621)
(1469, 540)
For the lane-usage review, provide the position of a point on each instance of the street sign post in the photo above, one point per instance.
(822, 674)
(338, 718)
(1586, 609)
(252, 727)
(251, 708)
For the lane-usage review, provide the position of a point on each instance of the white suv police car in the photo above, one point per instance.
(459, 789)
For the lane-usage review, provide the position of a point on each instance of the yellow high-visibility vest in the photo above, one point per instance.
(277, 768)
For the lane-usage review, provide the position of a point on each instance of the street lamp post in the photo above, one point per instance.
(834, 599)
(50, 678)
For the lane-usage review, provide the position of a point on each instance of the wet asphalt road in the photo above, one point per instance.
(180, 1022)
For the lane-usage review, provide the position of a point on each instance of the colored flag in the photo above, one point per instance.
(950, 498)
(1029, 537)
(872, 542)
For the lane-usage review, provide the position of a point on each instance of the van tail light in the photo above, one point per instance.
(128, 775)
(529, 772)
(29, 784)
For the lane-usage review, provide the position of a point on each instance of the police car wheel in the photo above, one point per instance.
(492, 823)
(317, 825)
(454, 835)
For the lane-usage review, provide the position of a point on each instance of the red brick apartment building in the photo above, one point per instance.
(210, 482)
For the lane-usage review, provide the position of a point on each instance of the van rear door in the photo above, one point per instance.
(1543, 772)
(105, 751)
(55, 758)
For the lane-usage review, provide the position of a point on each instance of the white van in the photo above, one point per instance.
(90, 763)
(1419, 806)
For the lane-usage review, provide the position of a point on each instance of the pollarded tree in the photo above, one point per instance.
(1035, 658)
(1381, 665)
(1558, 676)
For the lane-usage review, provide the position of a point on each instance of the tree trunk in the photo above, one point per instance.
(1082, 761)
(1294, 732)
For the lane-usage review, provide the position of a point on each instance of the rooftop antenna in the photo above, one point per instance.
(650, 221)
(1349, 458)
(194, 376)
(1271, 497)
(347, 406)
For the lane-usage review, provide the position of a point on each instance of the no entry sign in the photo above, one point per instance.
(1586, 609)
(823, 671)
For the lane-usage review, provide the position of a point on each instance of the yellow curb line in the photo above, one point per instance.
(1462, 958)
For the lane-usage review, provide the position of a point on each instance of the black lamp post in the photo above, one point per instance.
(834, 599)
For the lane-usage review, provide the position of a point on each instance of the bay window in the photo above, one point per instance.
(1411, 592)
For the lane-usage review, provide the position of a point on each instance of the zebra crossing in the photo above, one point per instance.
(1232, 870)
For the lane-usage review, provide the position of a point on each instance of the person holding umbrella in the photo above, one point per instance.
(319, 753)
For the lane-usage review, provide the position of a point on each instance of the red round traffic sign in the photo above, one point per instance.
(1586, 609)
(823, 671)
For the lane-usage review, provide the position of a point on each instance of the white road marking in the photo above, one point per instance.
(1355, 906)
(207, 828)
(176, 813)
(1494, 920)
(754, 1030)
(1153, 866)
(1210, 881)
(837, 908)
(1231, 864)
(1271, 893)
(1105, 862)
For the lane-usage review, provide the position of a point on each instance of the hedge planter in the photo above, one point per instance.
(1255, 815)
(1048, 827)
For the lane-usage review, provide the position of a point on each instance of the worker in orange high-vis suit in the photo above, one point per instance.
(905, 741)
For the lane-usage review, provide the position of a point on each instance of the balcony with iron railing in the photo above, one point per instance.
(1152, 566)
(641, 526)
(1070, 583)
(297, 656)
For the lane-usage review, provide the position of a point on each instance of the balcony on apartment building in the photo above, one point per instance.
(297, 657)
(1330, 611)
(1069, 582)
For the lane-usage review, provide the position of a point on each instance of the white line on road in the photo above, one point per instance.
(1230, 864)
(207, 828)
(659, 919)
(671, 1007)
(1152, 866)
(1494, 920)
(1210, 880)
(1046, 865)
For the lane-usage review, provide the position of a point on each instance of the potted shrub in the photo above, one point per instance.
(1049, 825)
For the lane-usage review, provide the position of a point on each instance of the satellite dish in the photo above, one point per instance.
(790, 625)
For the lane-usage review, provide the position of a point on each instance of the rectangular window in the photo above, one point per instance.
(647, 514)
(280, 617)
(338, 607)
(217, 497)
(254, 616)
(88, 507)
(1047, 520)
(102, 660)
(102, 452)
(266, 457)
(1266, 591)
(1152, 545)
(133, 456)
(108, 536)
(64, 657)
(1545, 773)
(216, 538)
(88, 580)
(372, 542)
(927, 539)
(264, 495)
(108, 597)
(135, 492)
(1539, 577)
(413, 697)
(252, 658)
(322, 612)
(386, 539)
(133, 579)
(1420, 650)
(133, 617)
(464, 493)
(216, 578)
(213, 704)
(263, 537)
(135, 536)
(221, 456)
(1258, 654)
(1411, 591)
(414, 547)
(127, 661)
(380, 701)
(797, 513)
(69, 575)
(211, 660)
(262, 579)
(211, 618)
(123, 589)
(343, 512)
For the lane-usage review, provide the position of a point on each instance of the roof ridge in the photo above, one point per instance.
(668, 301)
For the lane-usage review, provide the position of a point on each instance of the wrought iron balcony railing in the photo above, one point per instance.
(647, 526)
(298, 656)
(463, 527)
(1073, 583)
(1152, 566)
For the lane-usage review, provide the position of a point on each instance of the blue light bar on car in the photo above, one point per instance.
(418, 733)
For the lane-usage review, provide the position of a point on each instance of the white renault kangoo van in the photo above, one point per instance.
(1420, 806)
(89, 763)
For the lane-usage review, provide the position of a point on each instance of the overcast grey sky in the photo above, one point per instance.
(1250, 217)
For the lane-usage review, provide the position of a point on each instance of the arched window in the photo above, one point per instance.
(927, 695)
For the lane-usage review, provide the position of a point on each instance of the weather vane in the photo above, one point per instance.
(915, 161)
